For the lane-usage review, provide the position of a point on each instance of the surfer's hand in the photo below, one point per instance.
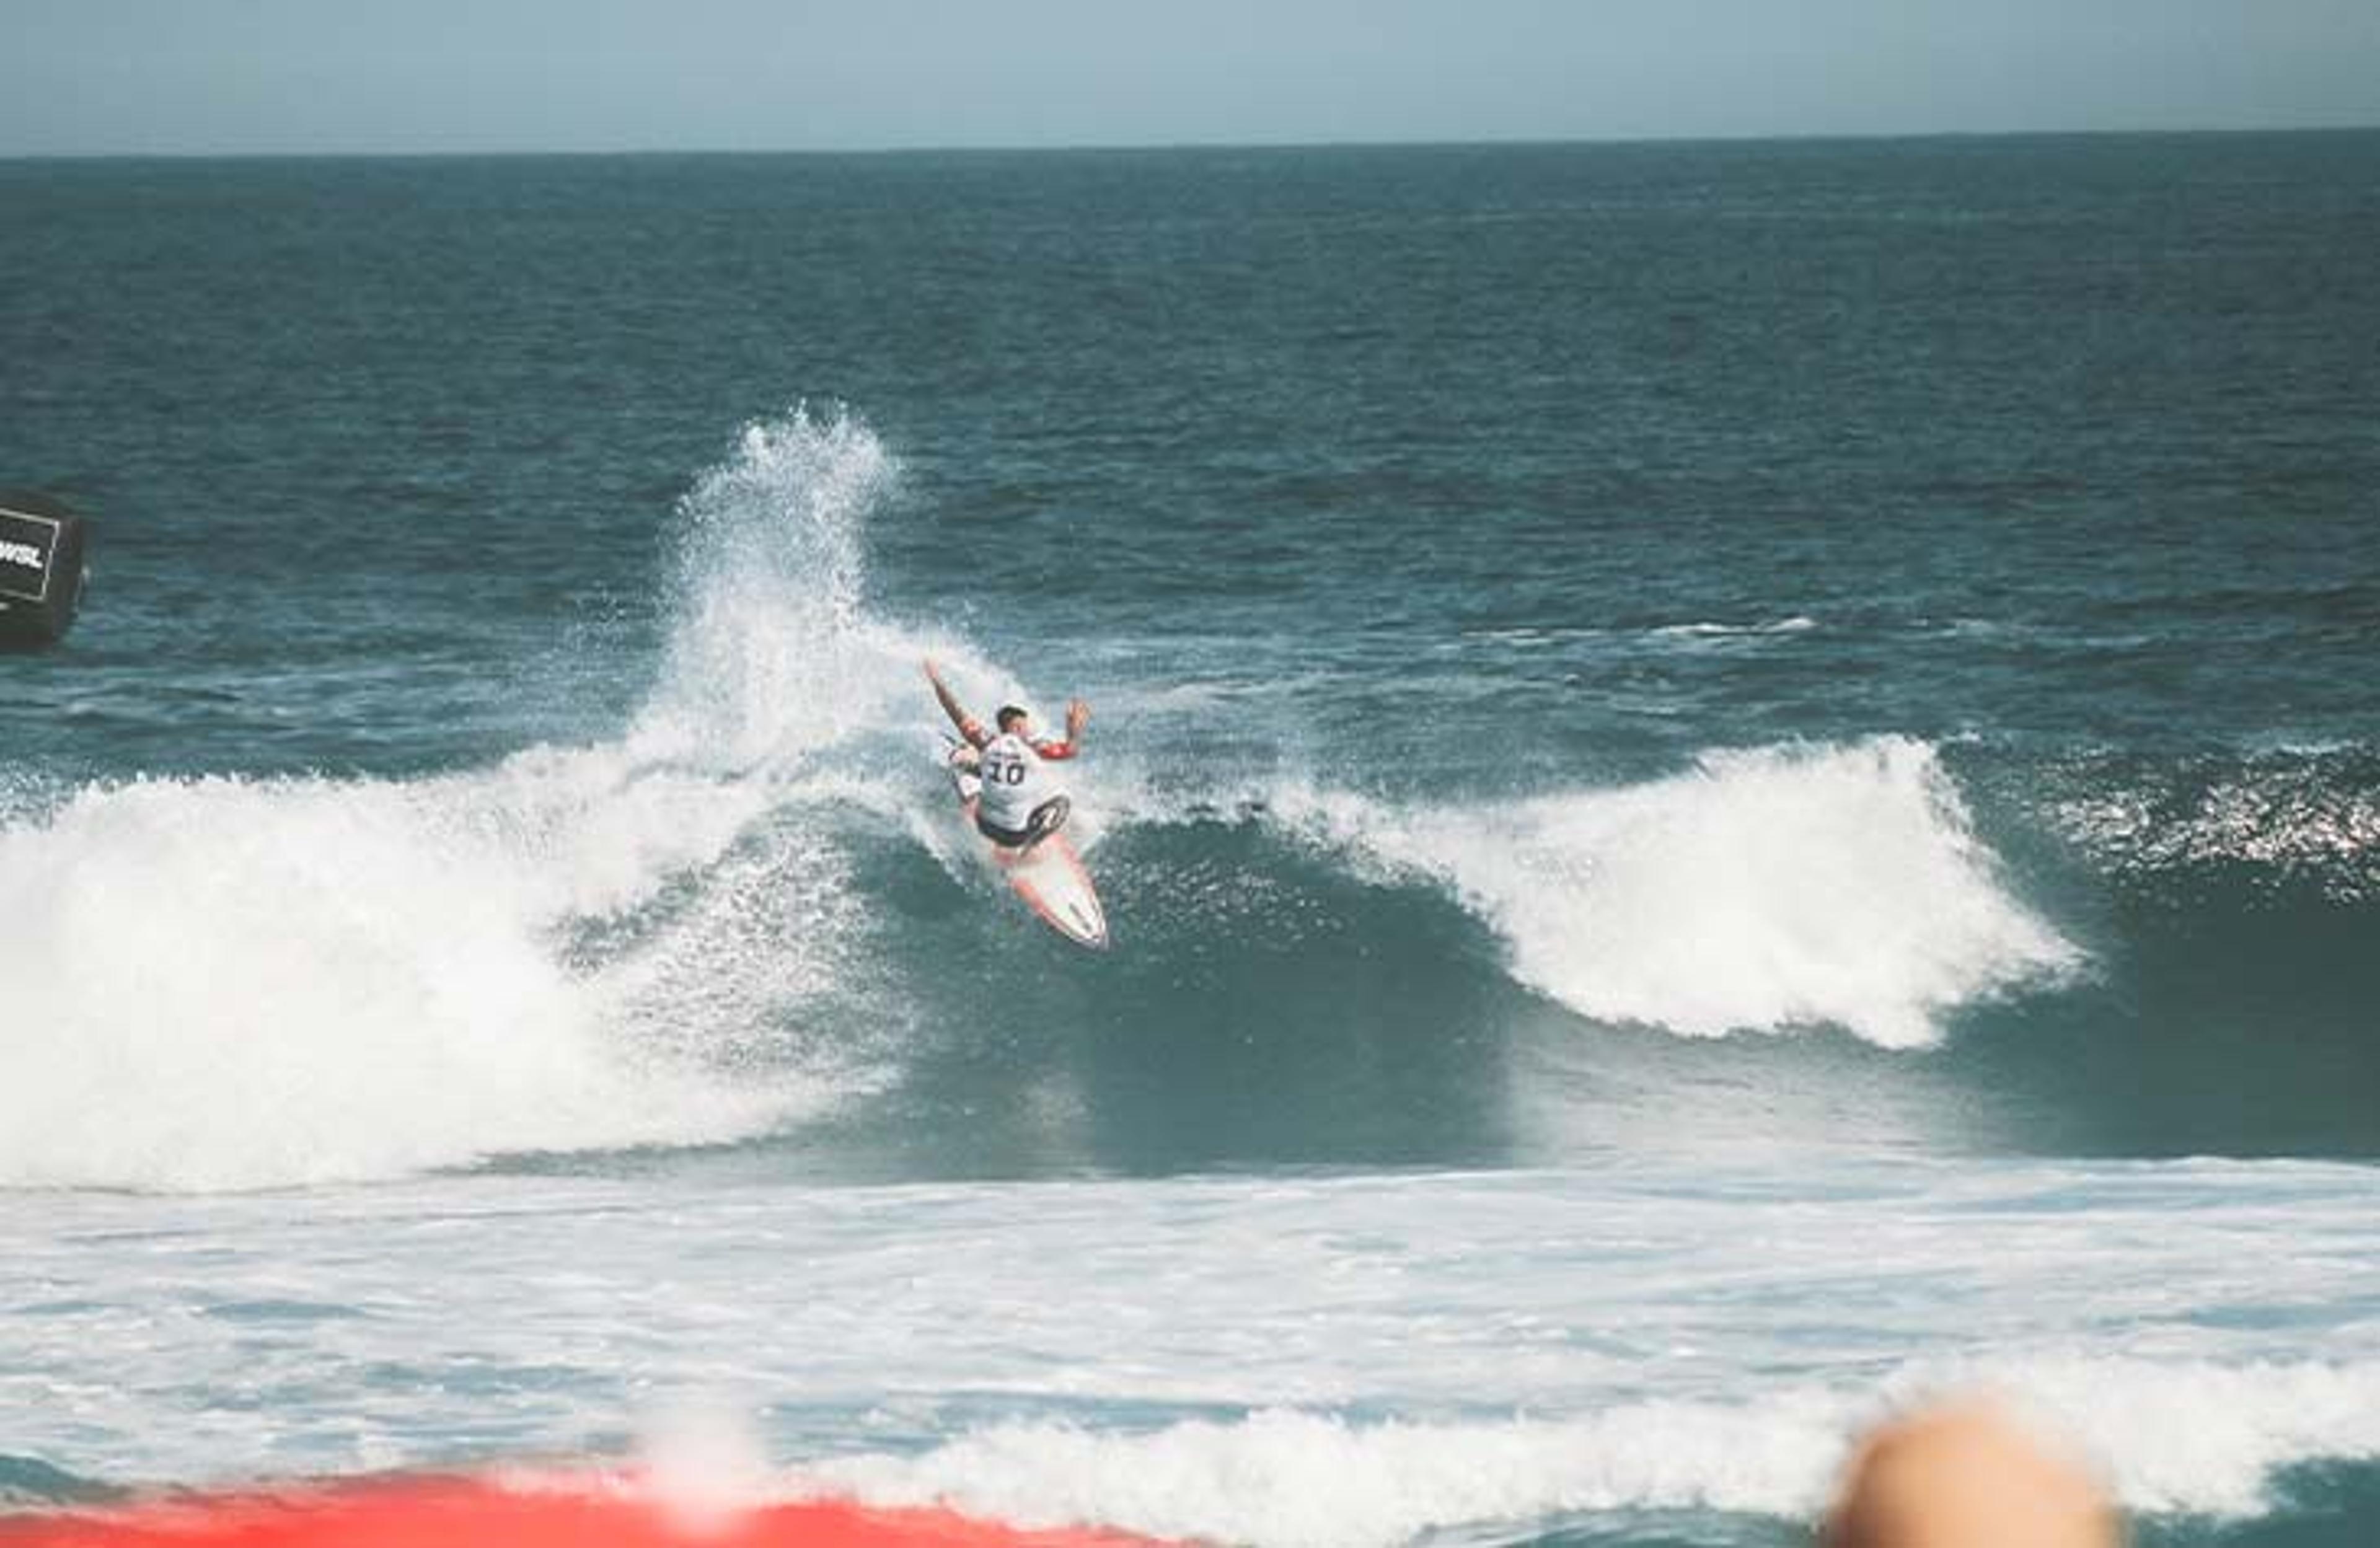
(1078, 714)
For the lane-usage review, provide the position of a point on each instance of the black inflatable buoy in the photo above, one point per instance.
(42, 569)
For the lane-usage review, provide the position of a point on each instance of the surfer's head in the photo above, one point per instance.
(1011, 718)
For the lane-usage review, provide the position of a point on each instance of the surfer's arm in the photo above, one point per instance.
(969, 726)
(1078, 715)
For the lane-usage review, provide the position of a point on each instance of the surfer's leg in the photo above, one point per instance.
(1047, 818)
(963, 778)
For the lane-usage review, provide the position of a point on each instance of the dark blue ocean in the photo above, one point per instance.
(1736, 785)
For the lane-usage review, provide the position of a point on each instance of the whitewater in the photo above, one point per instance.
(1316, 1362)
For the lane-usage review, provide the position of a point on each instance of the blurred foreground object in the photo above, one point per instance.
(467, 1513)
(1966, 1476)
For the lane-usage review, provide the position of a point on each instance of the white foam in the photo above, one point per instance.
(1334, 1360)
(1287, 1478)
(1764, 891)
(224, 984)
(2191, 1439)
(2194, 1437)
(230, 983)
(1796, 624)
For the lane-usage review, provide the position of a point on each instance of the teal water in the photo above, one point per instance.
(1624, 668)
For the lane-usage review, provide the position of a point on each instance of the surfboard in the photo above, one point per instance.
(1049, 878)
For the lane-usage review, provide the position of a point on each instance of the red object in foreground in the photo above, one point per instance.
(462, 1513)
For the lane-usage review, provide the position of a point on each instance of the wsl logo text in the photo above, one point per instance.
(25, 554)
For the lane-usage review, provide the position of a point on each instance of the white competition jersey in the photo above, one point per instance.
(1015, 779)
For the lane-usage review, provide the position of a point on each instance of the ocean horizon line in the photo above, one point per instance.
(1199, 147)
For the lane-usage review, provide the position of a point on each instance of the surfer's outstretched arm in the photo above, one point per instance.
(1078, 715)
(969, 726)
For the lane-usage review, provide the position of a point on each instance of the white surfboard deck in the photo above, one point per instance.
(1050, 879)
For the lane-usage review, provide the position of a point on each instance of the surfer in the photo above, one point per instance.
(1002, 779)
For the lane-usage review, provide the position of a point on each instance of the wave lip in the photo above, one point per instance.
(1762, 891)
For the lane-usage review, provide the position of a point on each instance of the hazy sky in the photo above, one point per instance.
(237, 76)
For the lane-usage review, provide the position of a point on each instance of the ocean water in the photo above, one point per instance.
(1737, 784)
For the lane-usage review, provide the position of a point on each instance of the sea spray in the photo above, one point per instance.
(771, 653)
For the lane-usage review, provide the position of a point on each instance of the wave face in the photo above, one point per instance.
(749, 916)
